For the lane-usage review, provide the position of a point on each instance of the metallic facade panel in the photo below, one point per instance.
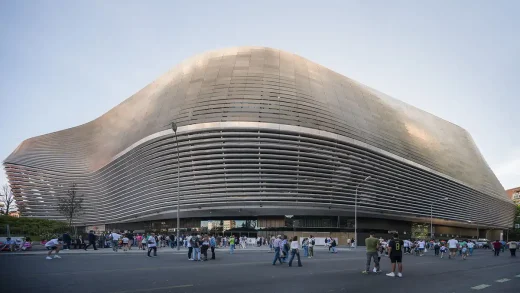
(259, 127)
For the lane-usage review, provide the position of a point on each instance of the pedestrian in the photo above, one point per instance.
(125, 243)
(66, 241)
(295, 251)
(443, 250)
(452, 246)
(333, 245)
(305, 245)
(212, 244)
(396, 255)
(437, 248)
(54, 245)
(285, 248)
(205, 247)
(497, 246)
(190, 247)
(512, 248)
(421, 247)
(115, 240)
(152, 245)
(231, 244)
(91, 240)
(196, 247)
(464, 250)
(130, 236)
(277, 249)
(406, 246)
(372, 245)
(471, 246)
(312, 242)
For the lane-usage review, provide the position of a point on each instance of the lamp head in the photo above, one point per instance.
(174, 127)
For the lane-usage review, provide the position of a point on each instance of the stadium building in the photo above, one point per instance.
(272, 142)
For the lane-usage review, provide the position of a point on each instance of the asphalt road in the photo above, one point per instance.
(252, 271)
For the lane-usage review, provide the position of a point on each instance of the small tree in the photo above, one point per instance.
(6, 198)
(71, 205)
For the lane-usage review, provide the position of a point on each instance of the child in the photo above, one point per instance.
(464, 251)
(443, 250)
(125, 243)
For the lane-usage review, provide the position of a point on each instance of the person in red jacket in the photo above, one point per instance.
(497, 245)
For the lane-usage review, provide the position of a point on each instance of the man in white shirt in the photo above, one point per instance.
(54, 245)
(115, 241)
(406, 246)
(421, 247)
(471, 245)
(453, 245)
(512, 248)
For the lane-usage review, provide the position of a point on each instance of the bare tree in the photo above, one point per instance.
(71, 205)
(6, 198)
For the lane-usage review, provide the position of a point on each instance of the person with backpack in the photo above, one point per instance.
(312, 242)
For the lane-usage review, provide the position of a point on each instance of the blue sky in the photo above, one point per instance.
(64, 63)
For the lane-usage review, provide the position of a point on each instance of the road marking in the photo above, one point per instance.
(503, 280)
(153, 289)
(518, 276)
(480, 287)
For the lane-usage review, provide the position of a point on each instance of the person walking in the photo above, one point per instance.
(139, 240)
(312, 242)
(277, 249)
(452, 246)
(512, 248)
(212, 244)
(126, 242)
(115, 241)
(285, 248)
(152, 245)
(295, 251)
(471, 246)
(333, 245)
(437, 248)
(305, 245)
(231, 244)
(372, 245)
(91, 240)
(395, 251)
(497, 246)
(130, 237)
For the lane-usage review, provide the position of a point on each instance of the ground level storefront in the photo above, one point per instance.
(338, 227)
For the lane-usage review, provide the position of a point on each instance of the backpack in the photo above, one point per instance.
(287, 246)
(313, 242)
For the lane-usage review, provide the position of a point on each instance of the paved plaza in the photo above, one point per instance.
(251, 270)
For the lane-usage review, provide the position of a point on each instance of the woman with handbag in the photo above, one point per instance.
(295, 250)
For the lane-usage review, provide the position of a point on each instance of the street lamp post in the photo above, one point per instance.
(355, 211)
(174, 128)
(431, 217)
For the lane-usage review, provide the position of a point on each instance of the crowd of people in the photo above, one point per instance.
(394, 248)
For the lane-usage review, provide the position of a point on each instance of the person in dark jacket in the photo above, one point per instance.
(66, 241)
(91, 240)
